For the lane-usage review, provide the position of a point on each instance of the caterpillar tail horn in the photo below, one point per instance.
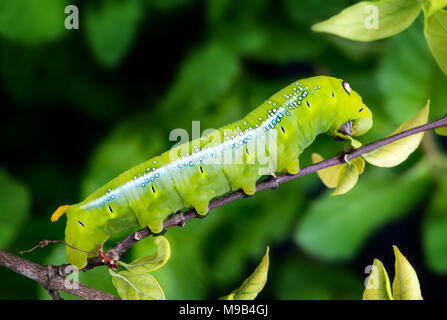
(59, 212)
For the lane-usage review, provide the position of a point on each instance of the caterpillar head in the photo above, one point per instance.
(81, 233)
(356, 118)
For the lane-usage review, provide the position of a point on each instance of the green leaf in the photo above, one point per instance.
(329, 176)
(406, 284)
(136, 286)
(441, 131)
(359, 163)
(14, 208)
(378, 285)
(371, 20)
(352, 142)
(348, 179)
(335, 228)
(432, 6)
(435, 31)
(32, 22)
(152, 262)
(398, 151)
(112, 28)
(253, 284)
(342, 177)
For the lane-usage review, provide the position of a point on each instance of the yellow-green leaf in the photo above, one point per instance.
(396, 152)
(347, 180)
(353, 142)
(441, 131)
(406, 284)
(253, 284)
(342, 177)
(152, 262)
(435, 31)
(359, 163)
(371, 20)
(134, 286)
(378, 286)
(329, 176)
(431, 6)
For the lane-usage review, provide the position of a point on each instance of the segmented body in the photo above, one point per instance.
(268, 140)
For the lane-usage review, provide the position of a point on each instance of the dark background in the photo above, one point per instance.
(80, 106)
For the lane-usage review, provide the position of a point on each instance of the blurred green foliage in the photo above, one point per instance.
(335, 231)
(32, 22)
(14, 205)
(112, 28)
(81, 106)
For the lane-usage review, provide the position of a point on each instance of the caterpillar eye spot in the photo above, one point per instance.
(110, 209)
(201, 169)
(80, 222)
(347, 87)
(153, 189)
(283, 130)
(308, 104)
(361, 109)
(246, 151)
(333, 95)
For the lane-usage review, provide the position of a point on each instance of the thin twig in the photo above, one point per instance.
(44, 243)
(49, 277)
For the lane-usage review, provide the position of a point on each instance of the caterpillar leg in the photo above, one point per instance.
(249, 189)
(294, 167)
(156, 227)
(202, 208)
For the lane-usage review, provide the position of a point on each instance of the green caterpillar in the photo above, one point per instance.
(192, 174)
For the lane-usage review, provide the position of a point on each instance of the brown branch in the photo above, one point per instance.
(55, 294)
(52, 277)
(49, 278)
(181, 218)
